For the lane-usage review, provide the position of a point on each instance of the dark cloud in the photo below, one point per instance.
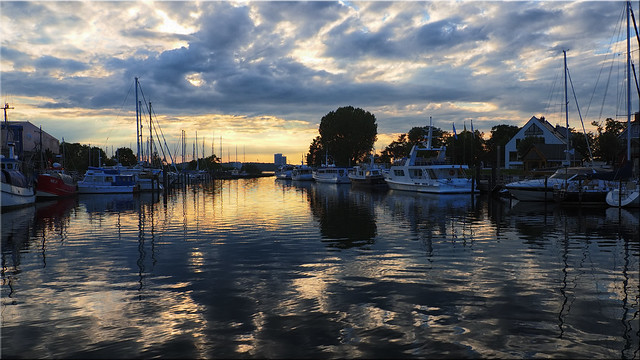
(242, 53)
(48, 62)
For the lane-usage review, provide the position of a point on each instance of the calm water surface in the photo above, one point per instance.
(264, 268)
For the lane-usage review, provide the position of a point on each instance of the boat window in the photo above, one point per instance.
(432, 174)
(108, 179)
(415, 173)
(398, 172)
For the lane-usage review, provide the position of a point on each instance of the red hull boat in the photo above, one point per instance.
(54, 183)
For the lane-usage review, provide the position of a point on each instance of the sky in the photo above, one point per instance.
(256, 78)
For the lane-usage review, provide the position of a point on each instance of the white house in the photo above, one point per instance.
(534, 127)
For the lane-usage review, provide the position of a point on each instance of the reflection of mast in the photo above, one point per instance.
(625, 303)
(141, 253)
(565, 255)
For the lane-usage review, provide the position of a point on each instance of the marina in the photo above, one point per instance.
(266, 268)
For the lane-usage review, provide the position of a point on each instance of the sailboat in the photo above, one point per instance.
(569, 184)
(626, 194)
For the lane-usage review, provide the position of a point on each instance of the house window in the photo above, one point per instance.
(533, 130)
(513, 156)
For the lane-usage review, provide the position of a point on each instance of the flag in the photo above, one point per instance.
(454, 132)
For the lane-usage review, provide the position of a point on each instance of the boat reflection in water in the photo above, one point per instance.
(281, 269)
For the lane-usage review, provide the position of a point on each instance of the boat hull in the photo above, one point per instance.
(332, 180)
(434, 187)
(302, 177)
(531, 193)
(594, 198)
(369, 182)
(106, 189)
(332, 176)
(54, 187)
(626, 199)
(16, 196)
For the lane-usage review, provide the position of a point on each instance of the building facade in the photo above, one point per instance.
(279, 159)
(27, 138)
(533, 128)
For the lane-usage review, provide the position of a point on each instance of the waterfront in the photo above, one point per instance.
(264, 268)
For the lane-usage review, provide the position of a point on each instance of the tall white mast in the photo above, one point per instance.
(137, 124)
(566, 108)
(628, 84)
(430, 133)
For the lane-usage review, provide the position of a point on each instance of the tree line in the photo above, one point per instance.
(346, 137)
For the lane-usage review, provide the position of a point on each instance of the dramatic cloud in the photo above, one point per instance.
(262, 74)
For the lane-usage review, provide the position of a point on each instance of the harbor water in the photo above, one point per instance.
(265, 268)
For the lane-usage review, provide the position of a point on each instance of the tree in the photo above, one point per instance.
(125, 156)
(396, 150)
(607, 144)
(467, 148)
(348, 134)
(500, 136)
(582, 145)
(251, 169)
(316, 153)
(402, 147)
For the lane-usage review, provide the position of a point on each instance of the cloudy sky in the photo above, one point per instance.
(261, 75)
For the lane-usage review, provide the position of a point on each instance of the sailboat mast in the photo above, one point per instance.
(628, 84)
(430, 133)
(137, 124)
(150, 152)
(566, 107)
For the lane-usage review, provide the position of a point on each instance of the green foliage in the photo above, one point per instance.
(467, 148)
(348, 134)
(251, 169)
(607, 145)
(500, 136)
(80, 157)
(125, 156)
(579, 143)
(315, 157)
(402, 146)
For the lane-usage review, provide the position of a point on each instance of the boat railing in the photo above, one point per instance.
(431, 161)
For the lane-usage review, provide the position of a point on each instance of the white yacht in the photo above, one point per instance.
(16, 189)
(542, 189)
(106, 181)
(332, 174)
(302, 173)
(284, 172)
(430, 174)
(367, 175)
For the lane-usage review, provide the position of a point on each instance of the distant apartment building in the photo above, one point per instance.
(279, 159)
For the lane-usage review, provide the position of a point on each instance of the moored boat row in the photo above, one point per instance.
(425, 170)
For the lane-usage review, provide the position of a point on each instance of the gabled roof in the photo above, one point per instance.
(635, 131)
(546, 152)
(540, 128)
